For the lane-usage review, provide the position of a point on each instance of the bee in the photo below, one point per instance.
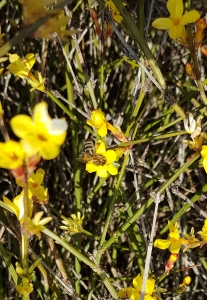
(89, 155)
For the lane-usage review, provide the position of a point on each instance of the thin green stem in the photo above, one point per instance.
(76, 147)
(111, 207)
(66, 110)
(24, 231)
(135, 112)
(2, 3)
(152, 138)
(85, 260)
(135, 33)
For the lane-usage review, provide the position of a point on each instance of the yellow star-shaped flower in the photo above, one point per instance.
(176, 21)
(174, 241)
(108, 157)
(40, 134)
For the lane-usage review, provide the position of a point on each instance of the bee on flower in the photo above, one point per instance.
(99, 160)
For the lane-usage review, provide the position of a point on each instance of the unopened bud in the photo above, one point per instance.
(186, 280)
(189, 71)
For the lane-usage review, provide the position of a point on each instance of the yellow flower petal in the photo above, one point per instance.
(102, 171)
(129, 293)
(31, 145)
(91, 167)
(49, 150)
(97, 117)
(37, 82)
(11, 155)
(189, 17)
(22, 125)
(204, 151)
(39, 176)
(162, 244)
(175, 8)
(101, 149)
(102, 131)
(112, 169)
(137, 282)
(175, 31)
(162, 23)
(110, 156)
(150, 286)
(21, 67)
(175, 247)
(11, 205)
(40, 114)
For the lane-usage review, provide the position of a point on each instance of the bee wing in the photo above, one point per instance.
(80, 159)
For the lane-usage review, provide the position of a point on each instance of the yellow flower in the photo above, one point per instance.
(37, 82)
(21, 67)
(174, 241)
(203, 233)
(11, 155)
(73, 223)
(36, 225)
(17, 206)
(26, 288)
(134, 293)
(40, 134)
(33, 11)
(204, 157)
(31, 271)
(106, 157)
(175, 23)
(98, 121)
(39, 193)
(115, 13)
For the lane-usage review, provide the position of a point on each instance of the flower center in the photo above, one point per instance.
(176, 21)
(42, 138)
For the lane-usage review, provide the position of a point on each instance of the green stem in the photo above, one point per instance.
(66, 110)
(103, 237)
(2, 3)
(76, 147)
(136, 34)
(24, 231)
(86, 76)
(148, 203)
(85, 260)
(135, 112)
(152, 138)
(141, 16)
